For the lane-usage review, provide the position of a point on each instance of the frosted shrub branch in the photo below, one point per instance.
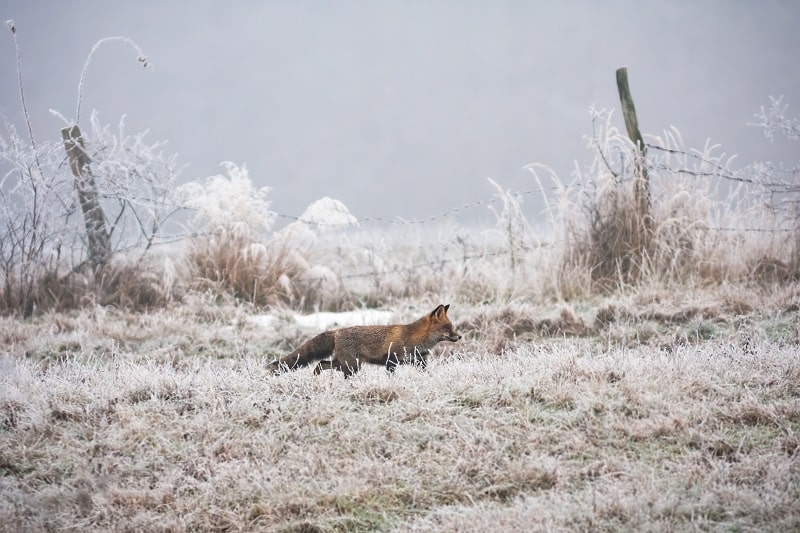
(773, 119)
(230, 202)
(136, 180)
(43, 243)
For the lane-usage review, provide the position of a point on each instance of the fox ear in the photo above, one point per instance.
(446, 307)
(436, 313)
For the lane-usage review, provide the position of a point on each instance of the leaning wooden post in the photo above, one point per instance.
(642, 187)
(93, 216)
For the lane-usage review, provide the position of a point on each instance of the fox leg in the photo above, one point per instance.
(418, 359)
(392, 362)
(348, 365)
(347, 368)
(333, 364)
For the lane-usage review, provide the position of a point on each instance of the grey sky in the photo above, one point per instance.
(405, 108)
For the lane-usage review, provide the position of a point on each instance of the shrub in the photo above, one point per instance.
(44, 258)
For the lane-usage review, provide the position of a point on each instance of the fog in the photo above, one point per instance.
(403, 109)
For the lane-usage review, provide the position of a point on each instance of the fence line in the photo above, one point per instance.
(467, 258)
(367, 221)
(722, 171)
(414, 266)
(171, 239)
(752, 230)
(408, 222)
(704, 174)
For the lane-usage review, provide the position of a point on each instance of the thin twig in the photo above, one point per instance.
(13, 28)
(141, 58)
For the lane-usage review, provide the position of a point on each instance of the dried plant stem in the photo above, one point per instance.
(21, 85)
(117, 38)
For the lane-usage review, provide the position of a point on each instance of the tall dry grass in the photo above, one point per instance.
(228, 261)
(136, 285)
(706, 224)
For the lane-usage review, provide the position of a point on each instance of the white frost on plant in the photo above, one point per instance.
(324, 276)
(230, 200)
(285, 283)
(320, 216)
(298, 234)
(256, 253)
(773, 119)
(327, 213)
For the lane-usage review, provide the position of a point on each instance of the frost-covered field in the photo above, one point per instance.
(643, 414)
(632, 362)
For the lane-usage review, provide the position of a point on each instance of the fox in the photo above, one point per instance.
(348, 349)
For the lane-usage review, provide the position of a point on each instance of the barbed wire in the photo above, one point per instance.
(722, 171)
(463, 259)
(703, 174)
(397, 221)
(162, 240)
(416, 266)
(434, 218)
(750, 230)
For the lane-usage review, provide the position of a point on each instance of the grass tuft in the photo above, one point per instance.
(231, 261)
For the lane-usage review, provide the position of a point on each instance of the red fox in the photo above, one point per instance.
(389, 346)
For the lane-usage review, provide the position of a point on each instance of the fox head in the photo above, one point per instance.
(441, 325)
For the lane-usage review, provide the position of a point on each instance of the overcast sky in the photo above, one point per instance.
(403, 109)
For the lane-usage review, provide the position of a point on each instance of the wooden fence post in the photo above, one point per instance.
(93, 216)
(642, 186)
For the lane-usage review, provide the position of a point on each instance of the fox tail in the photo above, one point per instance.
(312, 350)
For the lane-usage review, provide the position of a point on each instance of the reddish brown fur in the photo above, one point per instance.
(389, 346)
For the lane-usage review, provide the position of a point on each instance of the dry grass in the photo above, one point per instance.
(233, 262)
(614, 243)
(614, 239)
(134, 285)
(610, 245)
(169, 421)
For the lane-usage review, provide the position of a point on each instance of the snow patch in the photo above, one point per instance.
(261, 321)
(327, 320)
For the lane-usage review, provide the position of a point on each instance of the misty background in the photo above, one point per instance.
(403, 109)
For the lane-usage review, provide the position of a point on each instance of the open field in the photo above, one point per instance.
(640, 413)
(630, 363)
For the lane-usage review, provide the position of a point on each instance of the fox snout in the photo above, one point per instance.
(451, 336)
